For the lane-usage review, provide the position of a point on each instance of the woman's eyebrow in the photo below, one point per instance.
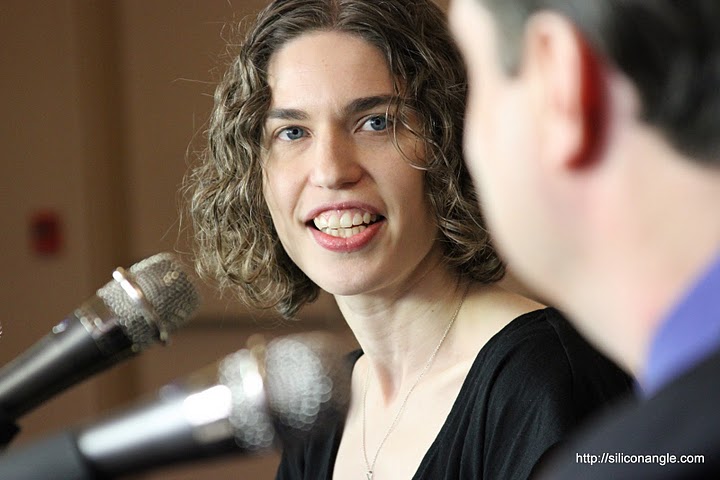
(286, 114)
(367, 103)
(356, 106)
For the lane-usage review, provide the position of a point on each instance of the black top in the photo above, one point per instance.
(529, 385)
(675, 434)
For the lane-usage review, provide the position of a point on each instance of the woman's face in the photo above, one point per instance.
(349, 209)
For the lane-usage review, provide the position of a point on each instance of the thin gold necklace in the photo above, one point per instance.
(369, 466)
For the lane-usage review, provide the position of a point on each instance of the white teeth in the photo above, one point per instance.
(346, 220)
(345, 223)
(344, 232)
(357, 219)
(320, 222)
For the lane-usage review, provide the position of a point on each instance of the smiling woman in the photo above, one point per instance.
(335, 163)
(345, 165)
(238, 244)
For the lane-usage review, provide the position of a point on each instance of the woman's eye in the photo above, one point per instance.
(291, 133)
(377, 123)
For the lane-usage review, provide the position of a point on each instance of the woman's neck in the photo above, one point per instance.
(399, 328)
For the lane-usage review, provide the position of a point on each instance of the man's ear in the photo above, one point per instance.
(567, 91)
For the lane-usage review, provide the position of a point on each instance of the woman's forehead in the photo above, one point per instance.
(327, 67)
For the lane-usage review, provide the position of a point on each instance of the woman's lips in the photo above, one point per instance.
(347, 239)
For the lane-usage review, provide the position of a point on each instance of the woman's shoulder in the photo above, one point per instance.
(514, 323)
(548, 330)
(543, 350)
(545, 333)
(519, 336)
(512, 335)
(544, 325)
(527, 335)
(490, 310)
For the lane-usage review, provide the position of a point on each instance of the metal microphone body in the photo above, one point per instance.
(137, 308)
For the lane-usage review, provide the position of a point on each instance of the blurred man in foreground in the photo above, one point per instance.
(592, 134)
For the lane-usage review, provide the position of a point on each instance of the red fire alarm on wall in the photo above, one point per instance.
(45, 232)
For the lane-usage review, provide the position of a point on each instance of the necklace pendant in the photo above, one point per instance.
(369, 474)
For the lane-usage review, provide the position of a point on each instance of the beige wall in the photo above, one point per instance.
(102, 100)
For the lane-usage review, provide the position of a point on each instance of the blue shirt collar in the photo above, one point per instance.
(688, 335)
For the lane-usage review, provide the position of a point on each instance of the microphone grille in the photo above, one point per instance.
(307, 381)
(305, 389)
(304, 385)
(168, 289)
(252, 425)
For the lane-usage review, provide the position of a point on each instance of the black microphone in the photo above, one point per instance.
(134, 310)
(249, 401)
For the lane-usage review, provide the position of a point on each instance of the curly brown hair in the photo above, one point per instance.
(236, 241)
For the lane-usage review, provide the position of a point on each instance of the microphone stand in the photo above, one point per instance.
(8, 429)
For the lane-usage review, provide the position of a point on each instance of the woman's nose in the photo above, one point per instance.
(336, 162)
